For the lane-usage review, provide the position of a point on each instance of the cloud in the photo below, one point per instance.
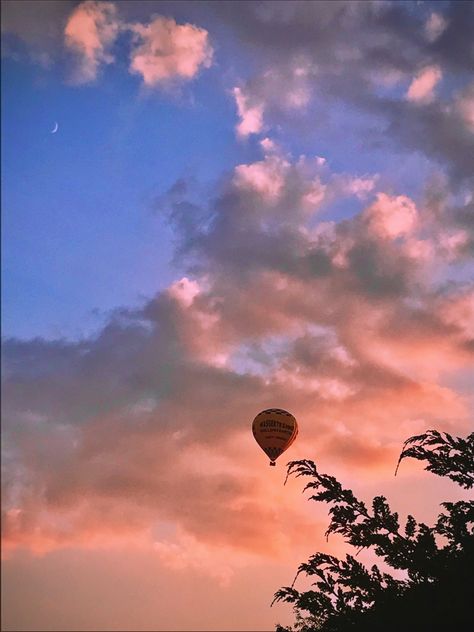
(361, 187)
(356, 324)
(265, 178)
(439, 131)
(266, 94)
(251, 115)
(188, 553)
(464, 105)
(161, 50)
(357, 57)
(391, 217)
(90, 33)
(452, 48)
(434, 26)
(34, 30)
(344, 323)
(167, 50)
(421, 89)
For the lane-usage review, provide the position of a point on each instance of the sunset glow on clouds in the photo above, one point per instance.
(168, 49)
(163, 49)
(319, 220)
(251, 116)
(421, 89)
(90, 31)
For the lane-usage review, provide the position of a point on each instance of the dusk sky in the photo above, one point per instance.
(209, 209)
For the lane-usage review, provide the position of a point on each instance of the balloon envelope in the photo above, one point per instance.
(274, 431)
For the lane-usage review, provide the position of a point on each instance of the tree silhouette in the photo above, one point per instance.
(436, 592)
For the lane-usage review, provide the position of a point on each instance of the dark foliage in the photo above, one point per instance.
(437, 562)
(446, 455)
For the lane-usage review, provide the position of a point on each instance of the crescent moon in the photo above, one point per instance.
(56, 127)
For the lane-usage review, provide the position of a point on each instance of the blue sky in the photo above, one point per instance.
(79, 229)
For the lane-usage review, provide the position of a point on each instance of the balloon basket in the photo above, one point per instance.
(272, 463)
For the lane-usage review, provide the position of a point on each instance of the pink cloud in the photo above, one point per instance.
(115, 489)
(185, 291)
(286, 87)
(166, 50)
(251, 115)
(392, 217)
(361, 187)
(265, 178)
(421, 89)
(347, 185)
(284, 190)
(90, 32)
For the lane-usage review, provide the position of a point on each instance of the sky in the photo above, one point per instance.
(209, 209)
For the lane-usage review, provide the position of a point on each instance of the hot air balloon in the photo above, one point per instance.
(274, 431)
